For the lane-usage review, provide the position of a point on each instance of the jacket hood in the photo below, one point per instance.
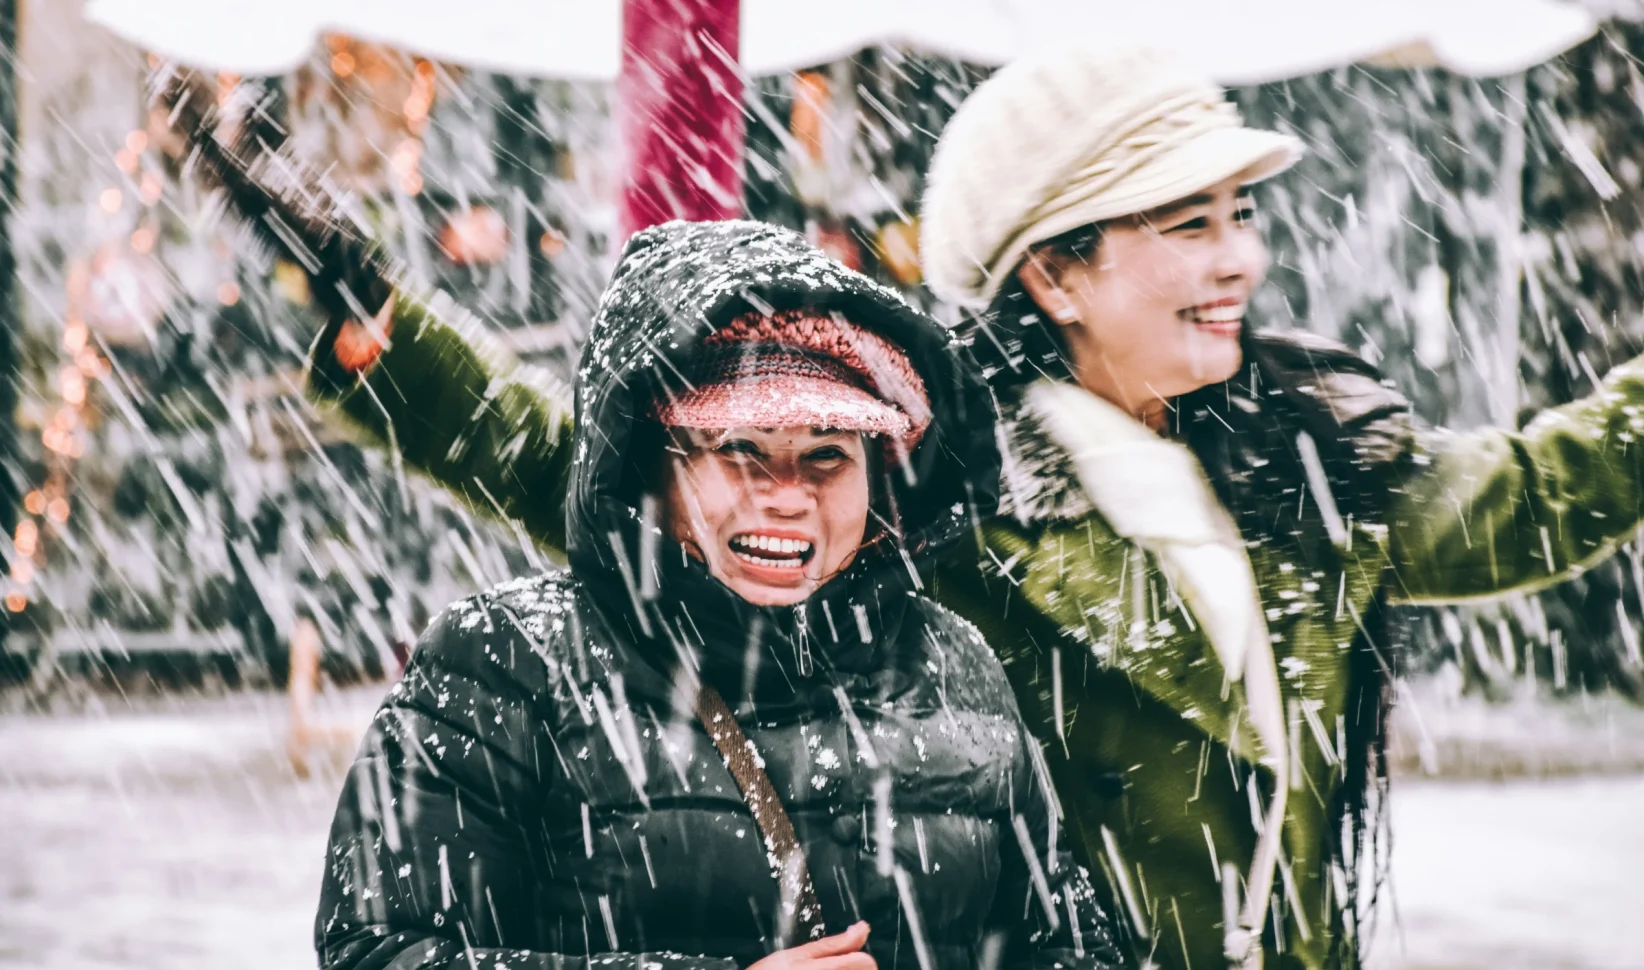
(675, 284)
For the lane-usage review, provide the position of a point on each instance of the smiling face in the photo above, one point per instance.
(1156, 310)
(774, 513)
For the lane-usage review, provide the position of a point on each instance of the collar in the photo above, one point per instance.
(1077, 455)
(1150, 489)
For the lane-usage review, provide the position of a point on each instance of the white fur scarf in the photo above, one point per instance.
(1153, 492)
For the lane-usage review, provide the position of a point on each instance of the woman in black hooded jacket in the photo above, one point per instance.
(540, 789)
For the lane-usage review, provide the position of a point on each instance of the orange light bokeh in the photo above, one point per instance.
(74, 336)
(27, 538)
(898, 246)
(808, 122)
(73, 381)
(476, 236)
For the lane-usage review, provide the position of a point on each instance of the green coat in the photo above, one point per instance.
(1149, 754)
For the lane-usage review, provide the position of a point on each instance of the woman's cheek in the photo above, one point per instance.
(716, 493)
(845, 504)
(698, 504)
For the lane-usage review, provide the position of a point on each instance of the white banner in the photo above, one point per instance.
(1242, 42)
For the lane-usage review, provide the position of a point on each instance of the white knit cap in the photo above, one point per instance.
(1057, 141)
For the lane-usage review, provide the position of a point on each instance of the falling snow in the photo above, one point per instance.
(165, 805)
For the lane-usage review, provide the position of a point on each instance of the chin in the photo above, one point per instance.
(761, 595)
(1229, 367)
(1217, 365)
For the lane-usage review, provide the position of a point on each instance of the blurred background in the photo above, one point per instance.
(208, 585)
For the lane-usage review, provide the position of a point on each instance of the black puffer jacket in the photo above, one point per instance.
(536, 792)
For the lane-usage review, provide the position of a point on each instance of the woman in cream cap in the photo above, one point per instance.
(1054, 147)
(1205, 523)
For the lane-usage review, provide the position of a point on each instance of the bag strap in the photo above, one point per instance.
(800, 909)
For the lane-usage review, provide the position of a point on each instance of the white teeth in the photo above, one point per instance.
(782, 547)
(1219, 314)
(762, 561)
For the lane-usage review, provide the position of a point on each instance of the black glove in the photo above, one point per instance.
(292, 210)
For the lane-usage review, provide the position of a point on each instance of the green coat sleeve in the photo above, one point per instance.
(462, 410)
(1493, 511)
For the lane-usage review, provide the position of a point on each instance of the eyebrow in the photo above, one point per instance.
(1203, 198)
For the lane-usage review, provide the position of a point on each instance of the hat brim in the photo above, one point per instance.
(1215, 156)
(785, 402)
(1247, 154)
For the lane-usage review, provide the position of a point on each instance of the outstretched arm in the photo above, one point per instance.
(434, 391)
(457, 407)
(1493, 511)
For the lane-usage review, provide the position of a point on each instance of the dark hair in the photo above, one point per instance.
(1013, 341)
(1253, 461)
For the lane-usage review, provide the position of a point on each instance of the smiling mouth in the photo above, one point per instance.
(772, 552)
(1219, 317)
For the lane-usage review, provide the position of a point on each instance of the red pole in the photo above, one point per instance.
(679, 101)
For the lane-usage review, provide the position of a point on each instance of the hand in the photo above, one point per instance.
(357, 344)
(842, 951)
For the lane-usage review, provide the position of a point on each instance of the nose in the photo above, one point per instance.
(1240, 255)
(784, 493)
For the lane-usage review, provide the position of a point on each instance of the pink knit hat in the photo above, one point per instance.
(797, 368)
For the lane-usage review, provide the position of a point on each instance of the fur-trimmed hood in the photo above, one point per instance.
(1038, 482)
(1071, 455)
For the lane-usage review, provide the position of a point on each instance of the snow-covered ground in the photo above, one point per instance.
(1521, 875)
(178, 836)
